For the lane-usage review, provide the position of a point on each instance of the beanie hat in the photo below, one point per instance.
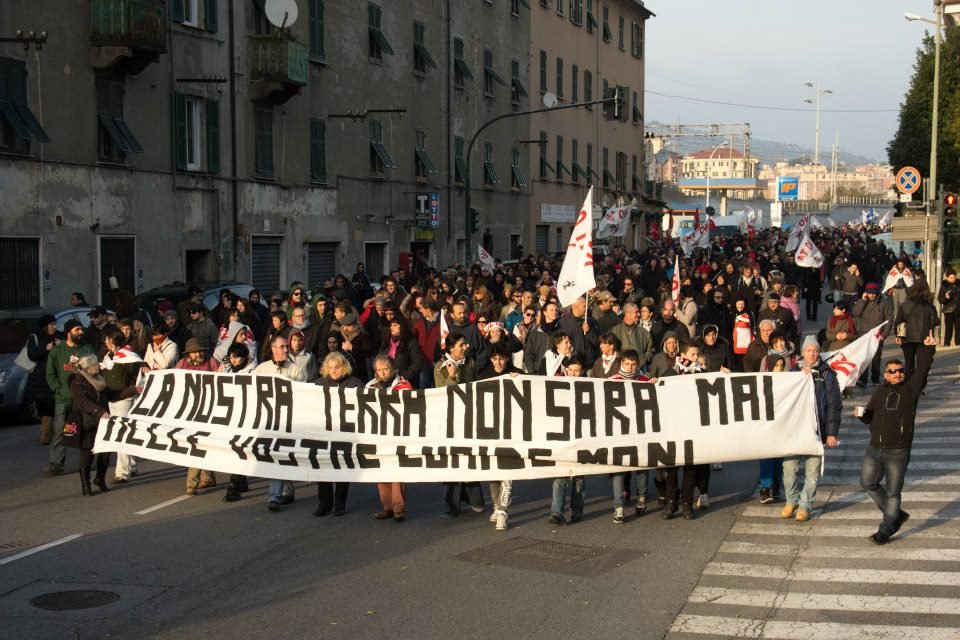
(808, 340)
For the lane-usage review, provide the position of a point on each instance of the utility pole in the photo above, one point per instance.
(816, 101)
(833, 187)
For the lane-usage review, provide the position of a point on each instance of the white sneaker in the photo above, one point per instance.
(493, 516)
(703, 502)
(618, 515)
(501, 518)
(718, 466)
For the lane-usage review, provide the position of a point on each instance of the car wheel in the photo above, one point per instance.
(29, 412)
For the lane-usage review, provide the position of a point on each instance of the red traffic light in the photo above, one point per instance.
(950, 199)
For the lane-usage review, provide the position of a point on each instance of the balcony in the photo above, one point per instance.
(127, 34)
(278, 68)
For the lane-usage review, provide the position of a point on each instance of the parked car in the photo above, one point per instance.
(15, 327)
(169, 295)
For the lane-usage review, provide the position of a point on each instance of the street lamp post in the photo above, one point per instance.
(719, 146)
(935, 272)
(816, 101)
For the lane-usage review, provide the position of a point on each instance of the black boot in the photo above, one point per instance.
(661, 487)
(234, 489)
(101, 479)
(668, 510)
(688, 511)
(85, 482)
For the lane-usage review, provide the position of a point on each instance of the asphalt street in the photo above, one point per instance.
(159, 564)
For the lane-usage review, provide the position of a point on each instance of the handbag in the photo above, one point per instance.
(23, 359)
(902, 330)
(828, 298)
(73, 429)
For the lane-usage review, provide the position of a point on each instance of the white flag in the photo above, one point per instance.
(614, 222)
(675, 286)
(893, 275)
(486, 259)
(885, 220)
(699, 237)
(830, 222)
(797, 233)
(854, 359)
(815, 224)
(863, 216)
(808, 255)
(576, 274)
(444, 330)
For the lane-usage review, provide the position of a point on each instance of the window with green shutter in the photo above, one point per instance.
(459, 164)
(607, 34)
(517, 90)
(490, 176)
(180, 131)
(574, 75)
(380, 160)
(377, 42)
(114, 136)
(517, 181)
(318, 150)
(316, 43)
(423, 165)
(263, 142)
(17, 123)
(543, 71)
(544, 164)
(560, 78)
(588, 87)
(421, 56)
(489, 75)
(461, 71)
(213, 136)
(210, 15)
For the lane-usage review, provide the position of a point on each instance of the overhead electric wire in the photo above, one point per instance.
(769, 108)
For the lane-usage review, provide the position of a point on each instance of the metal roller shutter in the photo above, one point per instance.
(265, 263)
(118, 259)
(321, 262)
(19, 273)
(543, 237)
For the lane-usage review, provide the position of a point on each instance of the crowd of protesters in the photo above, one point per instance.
(743, 305)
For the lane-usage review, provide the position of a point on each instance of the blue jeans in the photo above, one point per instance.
(803, 498)
(58, 452)
(279, 488)
(638, 484)
(560, 488)
(892, 464)
(771, 473)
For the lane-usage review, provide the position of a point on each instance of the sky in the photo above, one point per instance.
(761, 52)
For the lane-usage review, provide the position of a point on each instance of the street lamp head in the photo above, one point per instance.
(808, 101)
(827, 91)
(912, 16)
(808, 84)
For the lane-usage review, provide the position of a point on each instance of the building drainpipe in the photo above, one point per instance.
(233, 145)
(449, 140)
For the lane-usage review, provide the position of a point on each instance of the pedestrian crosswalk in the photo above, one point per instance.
(823, 579)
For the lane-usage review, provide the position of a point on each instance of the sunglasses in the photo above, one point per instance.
(529, 315)
(894, 371)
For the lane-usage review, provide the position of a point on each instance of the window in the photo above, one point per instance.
(489, 75)
(461, 71)
(543, 71)
(517, 90)
(459, 164)
(560, 167)
(192, 131)
(637, 115)
(263, 142)
(560, 77)
(115, 140)
(379, 158)
(515, 6)
(621, 171)
(490, 176)
(559, 7)
(17, 123)
(620, 34)
(607, 34)
(636, 176)
(609, 180)
(636, 40)
(517, 181)
(591, 19)
(19, 276)
(576, 12)
(187, 12)
(590, 171)
(318, 150)
(544, 165)
(588, 87)
(377, 42)
(261, 26)
(316, 43)
(574, 155)
(574, 72)
(422, 161)
(421, 57)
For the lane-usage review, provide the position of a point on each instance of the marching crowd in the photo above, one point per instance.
(743, 305)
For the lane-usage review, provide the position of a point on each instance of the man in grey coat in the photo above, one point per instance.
(633, 336)
(872, 311)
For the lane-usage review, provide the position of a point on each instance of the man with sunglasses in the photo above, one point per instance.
(891, 413)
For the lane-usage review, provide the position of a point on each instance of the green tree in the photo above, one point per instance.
(911, 144)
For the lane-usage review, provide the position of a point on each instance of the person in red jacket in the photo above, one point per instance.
(392, 494)
(426, 331)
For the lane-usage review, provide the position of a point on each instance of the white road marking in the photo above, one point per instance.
(888, 552)
(817, 574)
(924, 465)
(784, 630)
(911, 482)
(906, 496)
(802, 529)
(157, 507)
(43, 547)
(824, 601)
(916, 513)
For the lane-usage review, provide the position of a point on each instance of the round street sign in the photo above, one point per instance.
(908, 180)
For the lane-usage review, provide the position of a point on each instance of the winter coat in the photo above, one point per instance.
(635, 337)
(715, 314)
(163, 357)
(89, 405)
(288, 369)
(872, 313)
(467, 372)
(891, 411)
(427, 335)
(949, 305)
(37, 387)
(829, 400)
(408, 358)
(687, 312)
(205, 331)
(61, 362)
(719, 355)
(920, 317)
(583, 343)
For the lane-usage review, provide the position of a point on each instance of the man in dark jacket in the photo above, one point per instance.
(890, 413)
(583, 330)
(717, 313)
(178, 333)
(604, 314)
(540, 338)
(782, 317)
(668, 322)
(870, 312)
(829, 403)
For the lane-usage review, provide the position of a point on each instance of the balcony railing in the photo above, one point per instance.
(278, 60)
(139, 24)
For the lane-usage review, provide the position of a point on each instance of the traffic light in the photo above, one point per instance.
(474, 220)
(613, 103)
(949, 211)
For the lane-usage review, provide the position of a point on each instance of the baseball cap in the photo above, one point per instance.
(97, 311)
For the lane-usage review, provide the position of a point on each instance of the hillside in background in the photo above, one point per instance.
(770, 152)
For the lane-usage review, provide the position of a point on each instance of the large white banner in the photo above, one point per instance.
(500, 429)
(854, 360)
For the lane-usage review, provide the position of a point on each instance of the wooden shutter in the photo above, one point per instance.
(213, 136)
(180, 131)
